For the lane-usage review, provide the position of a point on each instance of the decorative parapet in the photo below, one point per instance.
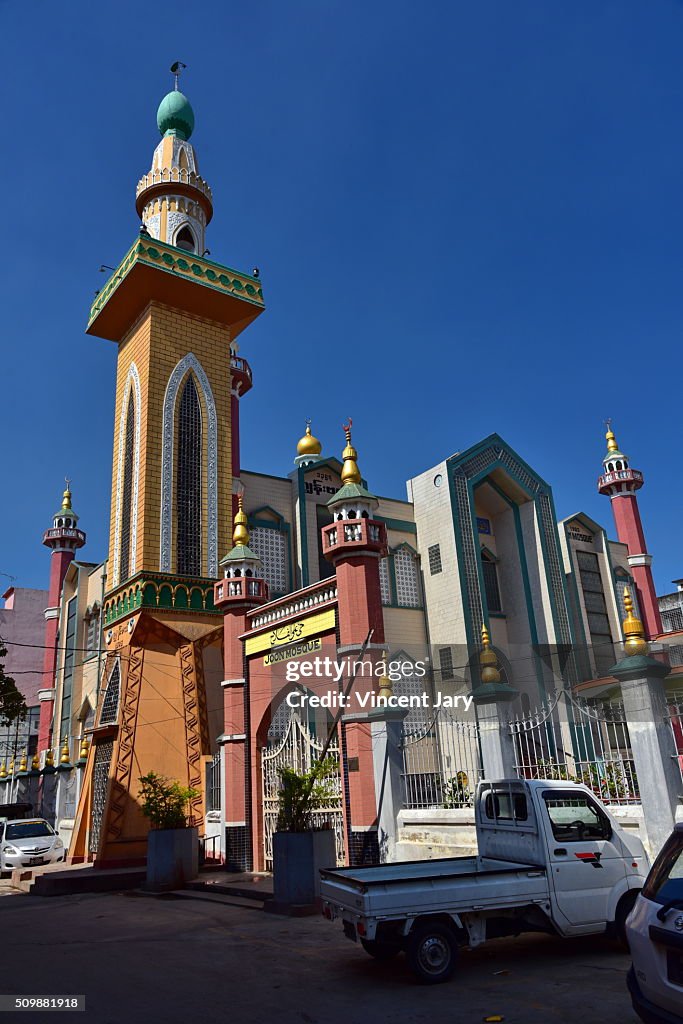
(322, 593)
(347, 535)
(159, 591)
(181, 176)
(234, 589)
(185, 268)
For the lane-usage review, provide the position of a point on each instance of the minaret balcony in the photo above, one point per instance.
(157, 183)
(62, 536)
(345, 536)
(240, 589)
(620, 480)
(241, 375)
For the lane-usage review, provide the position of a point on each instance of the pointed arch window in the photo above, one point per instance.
(127, 496)
(185, 240)
(189, 482)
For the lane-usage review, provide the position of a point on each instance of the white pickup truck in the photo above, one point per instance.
(551, 859)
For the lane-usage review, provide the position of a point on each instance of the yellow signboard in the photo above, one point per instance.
(291, 632)
(278, 654)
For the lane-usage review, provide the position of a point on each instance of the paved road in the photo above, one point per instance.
(140, 959)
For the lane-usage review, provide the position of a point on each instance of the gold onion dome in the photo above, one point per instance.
(634, 633)
(308, 444)
(240, 533)
(488, 660)
(350, 473)
(66, 499)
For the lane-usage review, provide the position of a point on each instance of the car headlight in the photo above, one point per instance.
(59, 845)
(10, 849)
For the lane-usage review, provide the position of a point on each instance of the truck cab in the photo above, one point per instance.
(592, 863)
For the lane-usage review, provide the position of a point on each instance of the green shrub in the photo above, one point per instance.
(165, 802)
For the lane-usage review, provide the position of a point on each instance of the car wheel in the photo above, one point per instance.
(432, 952)
(624, 908)
(380, 950)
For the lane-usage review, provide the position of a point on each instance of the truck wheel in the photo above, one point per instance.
(432, 952)
(380, 950)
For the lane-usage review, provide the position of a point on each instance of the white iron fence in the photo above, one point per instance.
(441, 762)
(567, 738)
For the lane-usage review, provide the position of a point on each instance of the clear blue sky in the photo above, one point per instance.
(467, 218)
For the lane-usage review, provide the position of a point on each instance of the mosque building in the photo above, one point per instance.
(217, 576)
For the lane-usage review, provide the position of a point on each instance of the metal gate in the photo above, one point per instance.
(298, 748)
(568, 738)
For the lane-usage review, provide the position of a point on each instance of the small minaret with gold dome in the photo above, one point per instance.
(241, 579)
(354, 543)
(620, 483)
(63, 539)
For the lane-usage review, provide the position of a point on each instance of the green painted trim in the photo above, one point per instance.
(393, 590)
(496, 439)
(303, 528)
(526, 582)
(400, 525)
(266, 508)
(404, 607)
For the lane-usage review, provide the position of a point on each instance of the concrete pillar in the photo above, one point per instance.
(654, 751)
(495, 738)
(387, 730)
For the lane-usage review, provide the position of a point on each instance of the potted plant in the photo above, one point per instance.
(300, 848)
(172, 844)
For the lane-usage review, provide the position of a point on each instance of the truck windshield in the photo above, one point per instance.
(575, 817)
(665, 881)
(28, 829)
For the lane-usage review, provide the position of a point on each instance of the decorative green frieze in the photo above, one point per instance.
(159, 591)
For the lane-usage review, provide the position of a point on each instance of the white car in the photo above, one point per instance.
(27, 842)
(655, 936)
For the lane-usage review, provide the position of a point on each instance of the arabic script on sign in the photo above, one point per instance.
(285, 634)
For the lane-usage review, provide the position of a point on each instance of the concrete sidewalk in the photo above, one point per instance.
(141, 958)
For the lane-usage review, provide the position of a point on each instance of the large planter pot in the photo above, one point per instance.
(297, 859)
(172, 857)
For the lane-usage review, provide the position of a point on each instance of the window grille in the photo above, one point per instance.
(434, 555)
(213, 783)
(407, 583)
(127, 498)
(270, 546)
(92, 639)
(189, 482)
(446, 663)
(103, 756)
(110, 704)
(384, 584)
(491, 587)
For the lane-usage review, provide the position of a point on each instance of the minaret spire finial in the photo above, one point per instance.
(632, 628)
(610, 438)
(176, 68)
(66, 497)
(240, 533)
(350, 473)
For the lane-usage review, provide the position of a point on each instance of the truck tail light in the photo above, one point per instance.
(360, 928)
(327, 913)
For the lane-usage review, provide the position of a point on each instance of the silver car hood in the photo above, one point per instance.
(32, 844)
